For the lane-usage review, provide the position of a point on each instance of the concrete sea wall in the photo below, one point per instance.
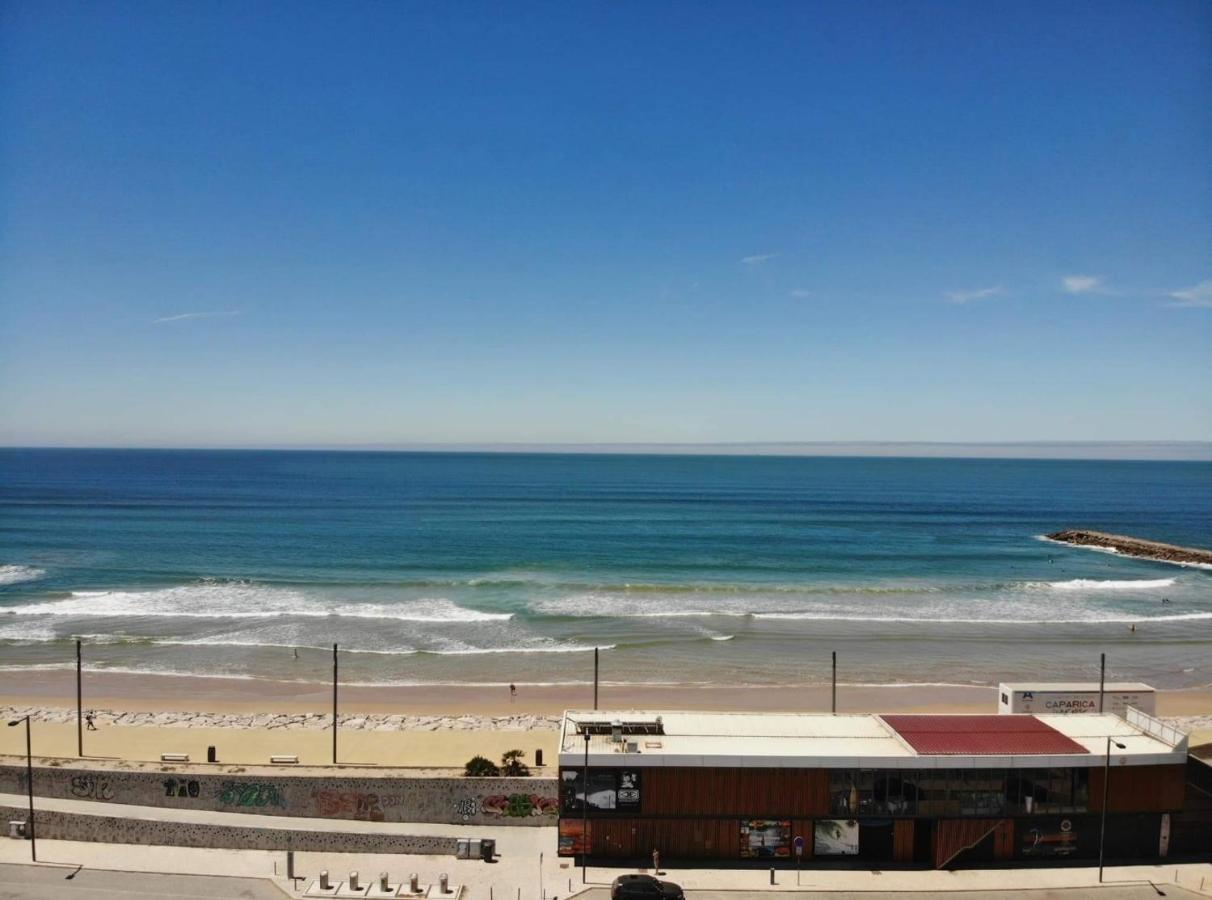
(370, 797)
(65, 826)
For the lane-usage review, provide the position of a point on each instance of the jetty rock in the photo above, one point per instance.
(1135, 547)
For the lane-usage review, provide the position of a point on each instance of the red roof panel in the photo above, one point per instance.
(981, 735)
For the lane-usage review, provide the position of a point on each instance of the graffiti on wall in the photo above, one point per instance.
(353, 804)
(519, 806)
(91, 787)
(179, 787)
(249, 794)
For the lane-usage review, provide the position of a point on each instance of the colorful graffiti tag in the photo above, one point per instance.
(352, 805)
(250, 794)
(519, 806)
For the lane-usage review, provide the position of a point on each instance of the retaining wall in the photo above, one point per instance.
(372, 798)
(63, 826)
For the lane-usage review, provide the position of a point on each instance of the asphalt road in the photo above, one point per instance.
(1141, 891)
(46, 882)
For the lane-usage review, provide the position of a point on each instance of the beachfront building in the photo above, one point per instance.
(914, 789)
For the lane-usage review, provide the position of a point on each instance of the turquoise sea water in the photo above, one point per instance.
(496, 567)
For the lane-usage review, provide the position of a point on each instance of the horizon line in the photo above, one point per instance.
(1161, 451)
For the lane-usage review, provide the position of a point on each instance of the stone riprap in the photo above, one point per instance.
(66, 826)
(315, 721)
(372, 798)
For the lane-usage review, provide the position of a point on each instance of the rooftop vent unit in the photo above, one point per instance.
(618, 729)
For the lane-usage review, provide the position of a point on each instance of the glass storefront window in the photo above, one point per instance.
(957, 792)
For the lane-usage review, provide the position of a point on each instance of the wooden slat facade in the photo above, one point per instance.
(690, 813)
(773, 793)
(1140, 789)
(902, 840)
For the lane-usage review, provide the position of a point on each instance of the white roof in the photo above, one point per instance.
(821, 740)
(1075, 687)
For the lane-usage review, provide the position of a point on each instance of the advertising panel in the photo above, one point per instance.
(1068, 702)
(835, 837)
(573, 837)
(765, 838)
(1048, 839)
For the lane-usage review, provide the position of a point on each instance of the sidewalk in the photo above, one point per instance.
(518, 872)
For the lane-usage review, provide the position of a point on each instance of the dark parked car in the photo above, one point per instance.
(644, 887)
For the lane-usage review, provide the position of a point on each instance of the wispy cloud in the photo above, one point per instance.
(979, 294)
(197, 315)
(800, 293)
(1196, 295)
(758, 259)
(1084, 284)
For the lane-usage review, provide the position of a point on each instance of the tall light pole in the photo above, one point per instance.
(29, 784)
(79, 704)
(585, 814)
(1102, 832)
(334, 704)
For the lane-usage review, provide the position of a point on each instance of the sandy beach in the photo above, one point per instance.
(142, 716)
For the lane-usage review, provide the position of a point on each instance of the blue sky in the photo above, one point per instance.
(293, 224)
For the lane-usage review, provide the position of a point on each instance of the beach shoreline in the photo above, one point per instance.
(128, 692)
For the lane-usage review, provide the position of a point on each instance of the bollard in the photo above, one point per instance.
(210, 754)
(413, 888)
(354, 886)
(383, 882)
(772, 876)
(324, 885)
(443, 883)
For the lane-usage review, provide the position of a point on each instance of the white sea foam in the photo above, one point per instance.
(18, 574)
(1091, 617)
(1092, 584)
(722, 637)
(246, 601)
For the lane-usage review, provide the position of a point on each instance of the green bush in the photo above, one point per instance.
(480, 767)
(512, 765)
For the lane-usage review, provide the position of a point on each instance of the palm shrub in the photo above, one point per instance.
(512, 765)
(481, 767)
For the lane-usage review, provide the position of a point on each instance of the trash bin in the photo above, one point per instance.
(488, 849)
(16, 829)
(474, 851)
(463, 848)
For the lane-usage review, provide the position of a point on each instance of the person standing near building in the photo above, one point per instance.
(656, 861)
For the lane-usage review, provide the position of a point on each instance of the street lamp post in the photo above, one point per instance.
(1102, 832)
(585, 814)
(29, 784)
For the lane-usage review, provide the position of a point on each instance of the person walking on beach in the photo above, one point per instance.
(88, 721)
(513, 692)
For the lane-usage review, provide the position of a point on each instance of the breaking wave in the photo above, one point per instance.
(19, 574)
(246, 601)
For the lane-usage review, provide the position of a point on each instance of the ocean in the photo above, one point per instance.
(469, 568)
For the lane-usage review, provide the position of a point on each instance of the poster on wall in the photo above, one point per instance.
(573, 836)
(835, 837)
(1049, 839)
(603, 793)
(765, 838)
(629, 789)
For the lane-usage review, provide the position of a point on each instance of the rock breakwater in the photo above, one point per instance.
(1137, 547)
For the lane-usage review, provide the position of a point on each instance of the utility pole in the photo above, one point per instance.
(334, 704)
(79, 704)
